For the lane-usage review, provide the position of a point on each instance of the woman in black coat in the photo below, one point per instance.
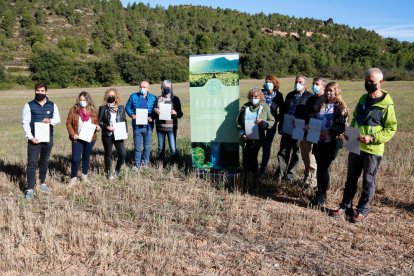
(111, 113)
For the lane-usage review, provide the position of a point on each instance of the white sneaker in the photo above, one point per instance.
(84, 178)
(73, 181)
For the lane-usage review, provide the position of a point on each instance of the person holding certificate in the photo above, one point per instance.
(139, 107)
(112, 119)
(82, 125)
(294, 107)
(274, 99)
(333, 112)
(374, 117)
(253, 120)
(39, 117)
(166, 111)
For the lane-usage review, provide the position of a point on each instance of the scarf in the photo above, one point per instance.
(113, 108)
(84, 115)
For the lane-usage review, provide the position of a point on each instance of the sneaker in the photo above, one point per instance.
(337, 213)
(135, 168)
(73, 181)
(84, 178)
(44, 188)
(349, 213)
(29, 194)
(358, 218)
(317, 201)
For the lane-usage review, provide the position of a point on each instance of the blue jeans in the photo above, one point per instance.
(84, 149)
(367, 164)
(142, 135)
(161, 143)
(270, 134)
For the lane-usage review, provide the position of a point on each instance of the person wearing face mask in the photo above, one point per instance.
(142, 133)
(167, 127)
(112, 112)
(257, 111)
(39, 110)
(333, 113)
(288, 155)
(312, 108)
(374, 116)
(83, 111)
(274, 99)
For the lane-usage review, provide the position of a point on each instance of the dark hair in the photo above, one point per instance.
(40, 85)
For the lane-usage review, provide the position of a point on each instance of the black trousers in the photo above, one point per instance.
(324, 154)
(108, 142)
(367, 165)
(288, 157)
(250, 153)
(37, 154)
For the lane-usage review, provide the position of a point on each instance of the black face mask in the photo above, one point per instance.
(370, 87)
(110, 99)
(40, 96)
(167, 91)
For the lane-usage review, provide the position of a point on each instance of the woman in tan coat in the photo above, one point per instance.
(82, 112)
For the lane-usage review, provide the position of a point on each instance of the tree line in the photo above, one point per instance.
(100, 42)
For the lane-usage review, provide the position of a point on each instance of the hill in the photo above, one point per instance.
(96, 42)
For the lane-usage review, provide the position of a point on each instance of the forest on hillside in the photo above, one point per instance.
(100, 42)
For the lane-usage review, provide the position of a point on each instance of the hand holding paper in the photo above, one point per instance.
(352, 143)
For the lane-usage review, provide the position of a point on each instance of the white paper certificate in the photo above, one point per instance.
(120, 131)
(165, 111)
(352, 144)
(87, 131)
(298, 131)
(314, 130)
(42, 132)
(252, 129)
(142, 116)
(288, 124)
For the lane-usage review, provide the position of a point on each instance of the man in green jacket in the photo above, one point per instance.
(375, 117)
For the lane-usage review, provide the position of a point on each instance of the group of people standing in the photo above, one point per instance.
(265, 112)
(110, 113)
(374, 116)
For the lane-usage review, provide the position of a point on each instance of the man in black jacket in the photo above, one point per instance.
(288, 155)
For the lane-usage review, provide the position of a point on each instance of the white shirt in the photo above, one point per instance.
(27, 117)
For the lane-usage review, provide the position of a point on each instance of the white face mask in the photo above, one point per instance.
(299, 87)
(255, 101)
(83, 103)
(269, 86)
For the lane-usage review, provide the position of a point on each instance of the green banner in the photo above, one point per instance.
(214, 105)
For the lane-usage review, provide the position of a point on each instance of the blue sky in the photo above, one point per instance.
(389, 18)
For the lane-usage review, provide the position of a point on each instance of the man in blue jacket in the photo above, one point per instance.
(143, 131)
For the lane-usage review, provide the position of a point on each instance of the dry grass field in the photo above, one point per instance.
(169, 221)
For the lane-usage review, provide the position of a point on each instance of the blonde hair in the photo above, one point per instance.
(117, 96)
(334, 86)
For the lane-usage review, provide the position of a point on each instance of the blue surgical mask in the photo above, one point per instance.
(268, 86)
(143, 91)
(255, 101)
(316, 89)
(83, 103)
(299, 87)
